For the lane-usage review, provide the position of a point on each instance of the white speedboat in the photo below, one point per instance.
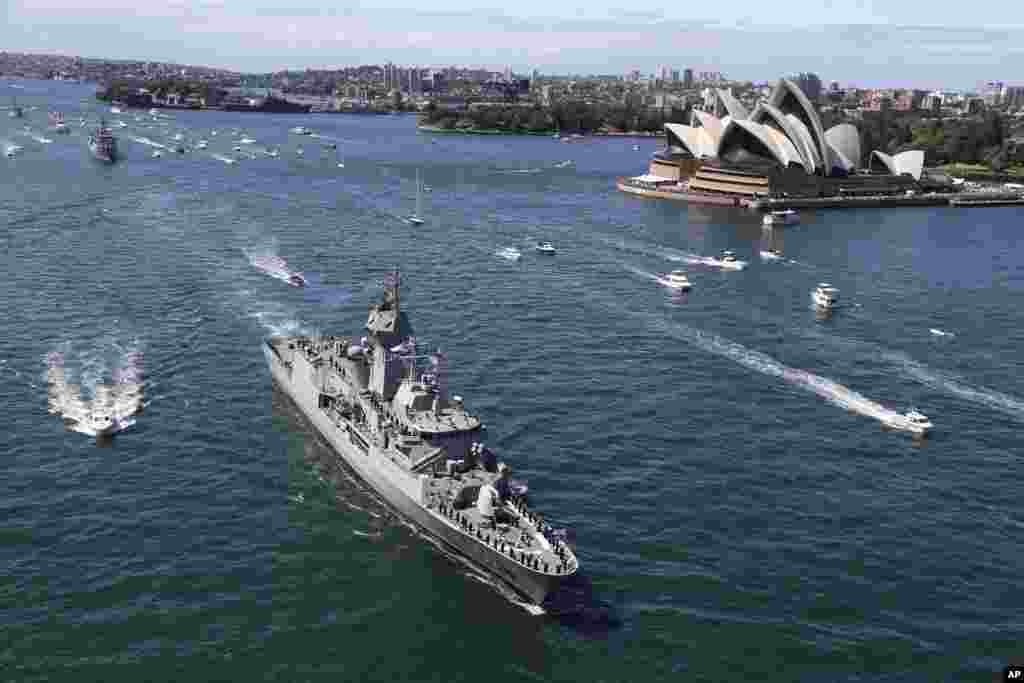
(415, 220)
(297, 280)
(787, 217)
(916, 422)
(299, 152)
(770, 254)
(100, 423)
(246, 141)
(115, 110)
(728, 257)
(202, 144)
(157, 154)
(236, 148)
(545, 247)
(676, 279)
(825, 296)
(11, 151)
(154, 112)
(122, 124)
(302, 130)
(510, 253)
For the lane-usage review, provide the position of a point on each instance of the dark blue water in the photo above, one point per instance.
(739, 509)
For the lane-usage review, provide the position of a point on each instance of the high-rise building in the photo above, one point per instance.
(675, 75)
(508, 74)
(687, 78)
(390, 77)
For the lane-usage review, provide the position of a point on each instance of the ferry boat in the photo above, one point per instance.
(545, 247)
(825, 296)
(102, 144)
(677, 280)
(787, 217)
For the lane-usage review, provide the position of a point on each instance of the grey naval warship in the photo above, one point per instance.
(396, 426)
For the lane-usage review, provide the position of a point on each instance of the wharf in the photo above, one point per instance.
(963, 199)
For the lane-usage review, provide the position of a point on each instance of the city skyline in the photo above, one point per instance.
(262, 37)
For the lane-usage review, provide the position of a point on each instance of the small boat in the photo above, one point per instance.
(510, 253)
(677, 280)
(102, 144)
(296, 280)
(825, 296)
(246, 141)
(545, 248)
(299, 152)
(728, 257)
(179, 136)
(122, 124)
(154, 112)
(273, 154)
(787, 217)
(101, 424)
(770, 254)
(301, 130)
(115, 110)
(237, 148)
(636, 148)
(916, 422)
(331, 145)
(179, 148)
(157, 154)
(202, 144)
(11, 151)
(213, 133)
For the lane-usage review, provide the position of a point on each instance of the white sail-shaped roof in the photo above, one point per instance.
(694, 140)
(910, 162)
(795, 131)
(732, 106)
(790, 99)
(775, 142)
(844, 141)
(712, 124)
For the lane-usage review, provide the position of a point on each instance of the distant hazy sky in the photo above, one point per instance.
(920, 43)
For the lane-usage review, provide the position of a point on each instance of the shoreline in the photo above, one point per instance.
(549, 133)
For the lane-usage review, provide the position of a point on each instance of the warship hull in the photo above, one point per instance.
(402, 492)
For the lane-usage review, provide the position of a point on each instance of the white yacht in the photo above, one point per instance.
(771, 254)
(545, 247)
(510, 253)
(825, 296)
(787, 217)
(301, 130)
(728, 257)
(916, 422)
(677, 280)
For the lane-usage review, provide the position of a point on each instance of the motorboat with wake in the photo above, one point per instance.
(916, 422)
(301, 130)
(545, 248)
(771, 254)
(825, 296)
(728, 257)
(676, 280)
(786, 217)
(11, 151)
(297, 280)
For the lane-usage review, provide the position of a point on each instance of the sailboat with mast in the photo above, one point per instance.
(415, 218)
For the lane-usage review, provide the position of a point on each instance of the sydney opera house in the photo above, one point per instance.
(778, 149)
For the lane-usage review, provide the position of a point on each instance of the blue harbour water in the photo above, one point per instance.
(740, 511)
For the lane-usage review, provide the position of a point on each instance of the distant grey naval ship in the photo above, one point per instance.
(418, 447)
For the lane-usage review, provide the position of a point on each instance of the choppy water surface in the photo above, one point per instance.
(740, 508)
